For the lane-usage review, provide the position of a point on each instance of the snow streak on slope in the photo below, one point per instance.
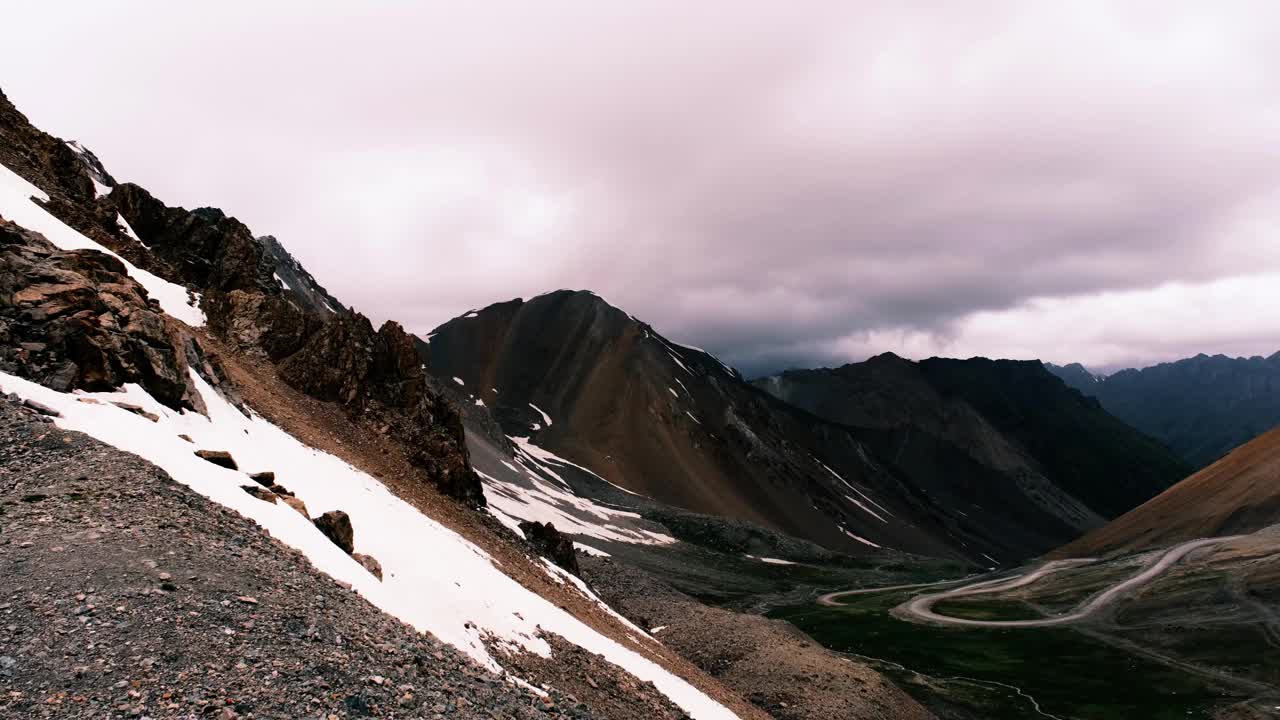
(17, 206)
(539, 493)
(457, 596)
(864, 495)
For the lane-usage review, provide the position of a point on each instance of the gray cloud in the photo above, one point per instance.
(782, 186)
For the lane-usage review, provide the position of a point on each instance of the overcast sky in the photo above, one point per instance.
(796, 184)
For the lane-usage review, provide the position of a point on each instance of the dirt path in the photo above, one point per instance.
(921, 608)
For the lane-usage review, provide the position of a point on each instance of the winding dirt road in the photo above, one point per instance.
(920, 608)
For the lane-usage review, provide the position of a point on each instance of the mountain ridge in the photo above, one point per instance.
(1202, 406)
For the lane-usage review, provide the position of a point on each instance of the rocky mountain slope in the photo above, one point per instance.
(186, 609)
(1009, 430)
(569, 374)
(174, 334)
(1201, 407)
(1238, 494)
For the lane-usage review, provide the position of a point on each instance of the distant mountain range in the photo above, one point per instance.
(1201, 407)
(976, 459)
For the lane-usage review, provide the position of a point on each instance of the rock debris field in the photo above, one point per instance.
(127, 595)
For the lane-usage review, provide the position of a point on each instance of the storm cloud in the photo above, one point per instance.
(783, 185)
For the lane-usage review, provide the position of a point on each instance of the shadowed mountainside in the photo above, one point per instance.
(1201, 407)
(1238, 494)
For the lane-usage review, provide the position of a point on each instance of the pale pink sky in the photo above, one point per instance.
(782, 183)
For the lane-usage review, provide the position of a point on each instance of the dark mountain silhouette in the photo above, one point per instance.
(1201, 407)
(1011, 418)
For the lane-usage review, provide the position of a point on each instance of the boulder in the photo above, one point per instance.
(336, 525)
(550, 543)
(367, 561)
(221, 458)
(265, 479)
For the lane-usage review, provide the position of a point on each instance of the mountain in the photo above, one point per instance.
(1201, 407)
(1077, 376)
(1239, 493)
(1027, 434)
(568, 373)
(192, 421)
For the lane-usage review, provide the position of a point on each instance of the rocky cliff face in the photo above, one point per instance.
(76, 320)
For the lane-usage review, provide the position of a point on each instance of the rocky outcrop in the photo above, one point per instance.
(368, 563)
(255, 295)
(76, 320)
(378, 376)
(221, 458)
(336, 525)
(260, 492)
(259, 322)
(548, 542)
(296, 504)
(204, 247)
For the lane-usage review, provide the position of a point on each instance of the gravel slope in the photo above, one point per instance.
(127, 595)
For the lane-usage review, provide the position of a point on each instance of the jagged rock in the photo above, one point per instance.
(322, 349)
(204, 247)
(296, 504)
(41, 408)
(265, 479)
(280, 489)
(259, 322)
(76, 320)
(136, 410)
(221, 458)
(548, 542)
(370, 564)
(260, 492)
(378, 376)
(336, 525)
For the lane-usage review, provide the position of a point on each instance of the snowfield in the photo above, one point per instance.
(17, 206)
(434, 579)
(543, 495)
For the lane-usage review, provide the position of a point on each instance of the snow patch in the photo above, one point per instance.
(860, 539)
(546, 501)
(280, 280)
(771, 561)
(545, 417)
(588, 550)
(128, 230)
(855, 489)
(713, 357)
